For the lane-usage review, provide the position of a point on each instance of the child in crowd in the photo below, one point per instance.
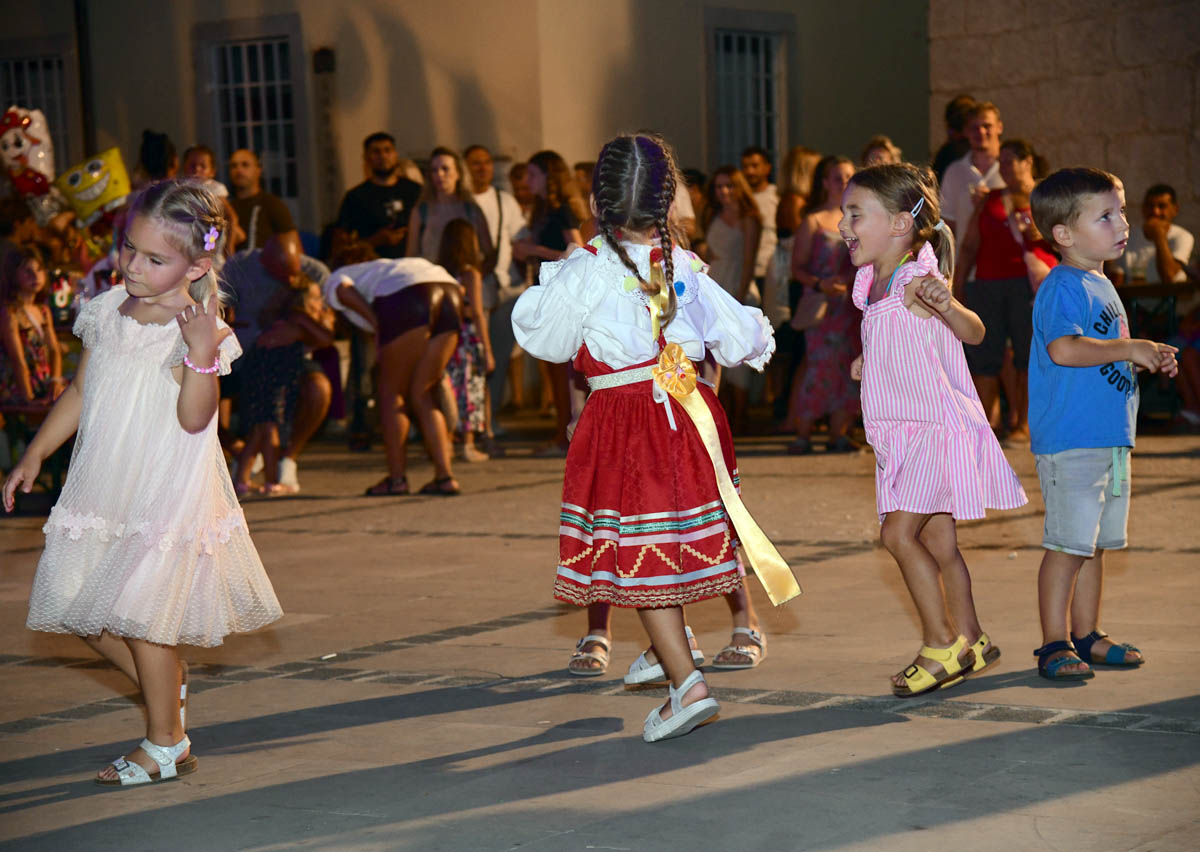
(1083, 400)
(646, 511)
(460, 255)
(937, 459)
(147, 547)
(31, 369)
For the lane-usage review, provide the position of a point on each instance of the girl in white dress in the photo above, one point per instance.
(147, 547)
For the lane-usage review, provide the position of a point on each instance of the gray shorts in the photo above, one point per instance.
(1086, 492)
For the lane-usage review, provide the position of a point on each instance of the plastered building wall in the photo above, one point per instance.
(1106, 83)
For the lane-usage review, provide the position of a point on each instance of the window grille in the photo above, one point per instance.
(36, 82)
(253, 107)
(749, 97)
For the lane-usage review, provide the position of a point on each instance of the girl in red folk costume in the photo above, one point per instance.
(651, 516)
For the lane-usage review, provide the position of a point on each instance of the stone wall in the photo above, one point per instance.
(1106, 83)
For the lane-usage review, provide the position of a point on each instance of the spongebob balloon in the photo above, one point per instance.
(96, 187)
(28, 155)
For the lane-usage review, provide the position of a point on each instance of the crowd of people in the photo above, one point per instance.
(447, 363)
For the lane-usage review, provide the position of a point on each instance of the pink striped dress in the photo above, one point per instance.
(934, 449)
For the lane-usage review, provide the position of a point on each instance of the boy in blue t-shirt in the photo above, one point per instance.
(1083, 400)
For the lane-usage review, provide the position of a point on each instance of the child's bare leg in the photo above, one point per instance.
(1056, 583)
(159, 675)
(114, 649)
(1085, 606)
(741, 610)
(665, 627)
(599, 620)
(270, 452)
(940, 537)
(901, 534)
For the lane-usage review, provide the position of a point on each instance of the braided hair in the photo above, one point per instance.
(634, 187)
(189, 213)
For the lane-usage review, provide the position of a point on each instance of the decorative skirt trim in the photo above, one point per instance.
(645, 597)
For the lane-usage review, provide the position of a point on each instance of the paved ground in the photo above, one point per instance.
(414, 697)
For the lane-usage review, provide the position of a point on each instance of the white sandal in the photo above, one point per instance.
(600, 656)
(642, 671)
(757, 652)
(130, 773)
(683, 719)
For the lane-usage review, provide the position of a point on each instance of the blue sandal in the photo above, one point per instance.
(1049, 669)
(1116, 656)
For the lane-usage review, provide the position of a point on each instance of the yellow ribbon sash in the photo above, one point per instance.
(676, 375)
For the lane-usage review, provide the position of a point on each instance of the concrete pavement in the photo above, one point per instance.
(444, 719)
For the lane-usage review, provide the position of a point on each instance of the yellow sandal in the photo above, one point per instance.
(983, 658)
(918, 680)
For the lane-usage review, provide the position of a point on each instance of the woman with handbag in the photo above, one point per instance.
(823, 273)
(1010, 259)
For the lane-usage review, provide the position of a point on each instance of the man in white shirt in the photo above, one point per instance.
(1160, 249)
(504, 219)
(756, 167)
(967, 180)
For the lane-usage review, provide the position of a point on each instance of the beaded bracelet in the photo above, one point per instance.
(208, 371)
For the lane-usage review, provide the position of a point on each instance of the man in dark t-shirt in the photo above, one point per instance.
(377, 210)
(260, 213)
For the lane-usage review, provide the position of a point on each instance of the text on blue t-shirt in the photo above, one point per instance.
(1078, 407)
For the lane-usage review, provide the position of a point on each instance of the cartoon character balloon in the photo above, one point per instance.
(28, 155)
(96, 187)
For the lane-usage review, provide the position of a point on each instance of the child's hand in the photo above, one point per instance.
(933, 293)
(23, 475)
(1153, 356)
(856, 369)
(200, 332)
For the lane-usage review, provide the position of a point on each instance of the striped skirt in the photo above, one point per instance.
(642, 522)
(927, 469)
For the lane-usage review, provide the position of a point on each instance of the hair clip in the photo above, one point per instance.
(918, 206)
(210, 239)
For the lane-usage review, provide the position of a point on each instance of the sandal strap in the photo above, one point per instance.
(691, 680)
(1053, 648)
(165, 756)
(603, 641)
(755, 636)
(130, 772)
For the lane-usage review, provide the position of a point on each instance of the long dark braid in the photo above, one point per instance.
(634, 187)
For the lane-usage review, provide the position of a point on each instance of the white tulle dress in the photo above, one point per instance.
(147, 540)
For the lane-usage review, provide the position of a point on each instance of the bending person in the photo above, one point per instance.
(414, 309)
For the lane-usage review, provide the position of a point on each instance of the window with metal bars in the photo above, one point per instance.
(749, 96)
(36, 82)
(253, 107)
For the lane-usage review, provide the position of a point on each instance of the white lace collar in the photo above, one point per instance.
(687, 267)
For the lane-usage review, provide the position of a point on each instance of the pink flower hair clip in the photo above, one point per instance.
(210, 239)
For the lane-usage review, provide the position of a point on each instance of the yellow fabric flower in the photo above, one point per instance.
(675, 373)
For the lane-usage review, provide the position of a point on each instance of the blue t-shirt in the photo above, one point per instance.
(1078, 407)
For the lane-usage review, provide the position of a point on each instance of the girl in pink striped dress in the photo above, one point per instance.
(937, 459)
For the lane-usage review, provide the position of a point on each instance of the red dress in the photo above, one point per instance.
(642, 522)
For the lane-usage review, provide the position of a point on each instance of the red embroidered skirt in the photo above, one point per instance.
(642, 522)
